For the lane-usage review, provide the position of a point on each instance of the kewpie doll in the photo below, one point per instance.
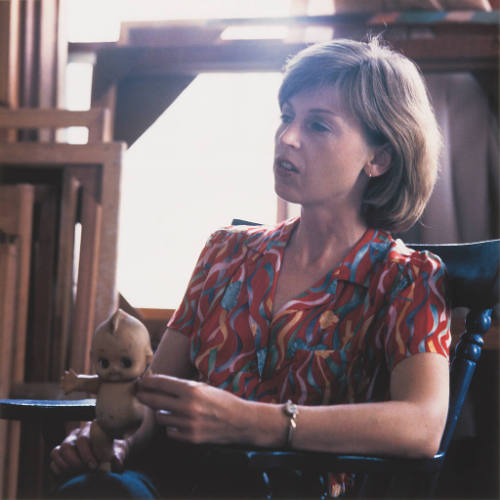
(121, 352)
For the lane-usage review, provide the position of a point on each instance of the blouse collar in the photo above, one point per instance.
(357, 265)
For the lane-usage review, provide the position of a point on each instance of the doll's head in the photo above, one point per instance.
(121, 348)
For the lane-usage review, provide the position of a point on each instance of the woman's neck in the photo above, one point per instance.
(324, 236)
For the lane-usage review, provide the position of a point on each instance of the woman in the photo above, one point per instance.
(325, 310)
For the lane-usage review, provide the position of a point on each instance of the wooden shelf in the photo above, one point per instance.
(142, 77)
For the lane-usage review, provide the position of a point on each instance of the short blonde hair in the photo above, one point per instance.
(385, 91)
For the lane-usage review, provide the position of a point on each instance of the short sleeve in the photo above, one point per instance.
(418, 318)
(184, 318)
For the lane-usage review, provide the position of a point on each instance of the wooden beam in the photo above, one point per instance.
(115, 63)
(8, 286)
(140, 101)
(97, 120)
(91, 215)
(451, 44)
(47, 54)
(9, 59)
(16, 215)
(43, 261)
(463, 19)
(9, 47)
(28, 54)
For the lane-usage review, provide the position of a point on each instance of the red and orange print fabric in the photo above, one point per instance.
(336, 342)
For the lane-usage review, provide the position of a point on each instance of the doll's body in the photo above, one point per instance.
(121, 352)
(118, 412)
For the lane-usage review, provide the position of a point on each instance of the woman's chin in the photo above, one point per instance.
(286, 194)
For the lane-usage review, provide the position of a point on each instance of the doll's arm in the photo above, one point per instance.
(72, 381)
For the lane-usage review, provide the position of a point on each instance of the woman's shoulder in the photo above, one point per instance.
(406, 272)
(257, 237)
(407, 263)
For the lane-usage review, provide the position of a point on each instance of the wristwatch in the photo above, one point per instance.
(291, 410)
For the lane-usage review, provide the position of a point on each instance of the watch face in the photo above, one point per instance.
(290, 409)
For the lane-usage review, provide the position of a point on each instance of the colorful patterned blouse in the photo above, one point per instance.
(336, 342)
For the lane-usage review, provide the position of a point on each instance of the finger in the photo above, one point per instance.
(58, 461)
(120, 448)
(165, 383)
(180, 435)
(85, 451)
(68, 457)
(161, 401)
(116, 464)
(168, 419)
(55, 469)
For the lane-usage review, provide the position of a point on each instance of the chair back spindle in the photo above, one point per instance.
(463, 365)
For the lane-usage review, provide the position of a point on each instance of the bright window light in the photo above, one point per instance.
(320, 7)
(254, 32)
(206, 160)
(99, 21)
(93, 20)
(78, 86)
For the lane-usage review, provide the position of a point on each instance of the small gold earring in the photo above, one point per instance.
(369, 172)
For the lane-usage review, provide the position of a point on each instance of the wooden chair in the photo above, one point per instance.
(473, 282)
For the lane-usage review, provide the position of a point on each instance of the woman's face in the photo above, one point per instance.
(320, 152)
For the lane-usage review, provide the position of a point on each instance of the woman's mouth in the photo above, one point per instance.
(284, 166)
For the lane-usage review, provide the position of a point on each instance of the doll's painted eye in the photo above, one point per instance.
(103, 363)
(126, 362)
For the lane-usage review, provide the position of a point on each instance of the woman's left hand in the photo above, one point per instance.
(193, 411)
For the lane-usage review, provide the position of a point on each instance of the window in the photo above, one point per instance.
(207, 159)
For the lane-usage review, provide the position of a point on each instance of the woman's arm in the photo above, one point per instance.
(172, 355)
(410, 424)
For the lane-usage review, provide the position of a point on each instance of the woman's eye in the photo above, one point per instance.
(103, 363)
(285, 118)
(319, 127)
(126, 362)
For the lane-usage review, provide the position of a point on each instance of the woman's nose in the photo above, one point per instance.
(290, 135)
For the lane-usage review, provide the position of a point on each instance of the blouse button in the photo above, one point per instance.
(327, 319)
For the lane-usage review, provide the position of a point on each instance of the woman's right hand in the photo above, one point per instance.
(74, 454)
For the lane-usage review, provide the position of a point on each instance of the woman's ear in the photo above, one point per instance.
(380, 162)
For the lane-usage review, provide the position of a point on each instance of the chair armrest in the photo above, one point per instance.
(254, 458)
(37, 410)
(50, 414)
(268, 459)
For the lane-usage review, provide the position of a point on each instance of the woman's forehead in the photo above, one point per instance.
(327, 100)
(327, 97)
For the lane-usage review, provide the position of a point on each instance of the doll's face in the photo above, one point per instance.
(118, 357)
